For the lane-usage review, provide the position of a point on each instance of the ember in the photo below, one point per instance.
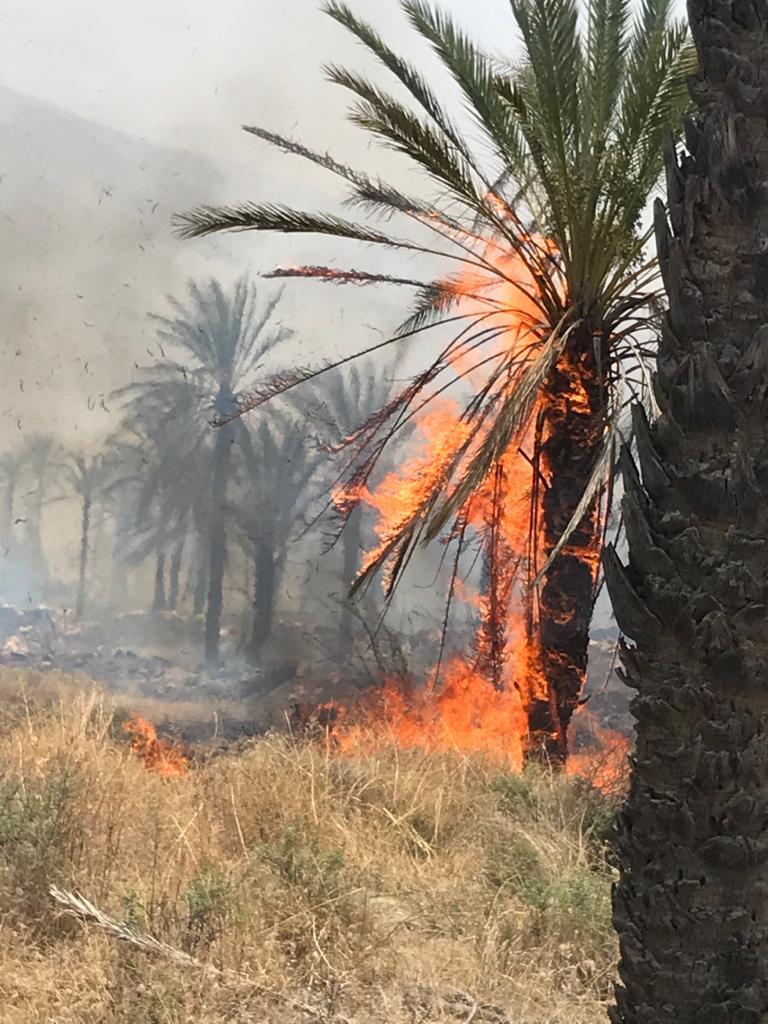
(159, 756)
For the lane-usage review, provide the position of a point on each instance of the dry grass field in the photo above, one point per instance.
(305, 887)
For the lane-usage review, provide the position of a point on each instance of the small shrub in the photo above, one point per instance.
(516, 793)
(298, 859)
(513, 864)
(208, 900)
(134, 911)
(36, 828)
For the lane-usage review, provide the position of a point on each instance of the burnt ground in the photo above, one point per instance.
(149, 663)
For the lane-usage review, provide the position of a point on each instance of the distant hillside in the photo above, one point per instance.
(85, 228)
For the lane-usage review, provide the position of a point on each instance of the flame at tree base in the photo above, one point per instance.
(465, 714)
(462, 712)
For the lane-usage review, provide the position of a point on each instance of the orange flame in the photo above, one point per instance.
(159, 756)
(601, 756)
(482, 702)
(464, 713)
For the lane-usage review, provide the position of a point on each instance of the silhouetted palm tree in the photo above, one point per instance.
(41, 465)
(11, 467)
(221, 337)
(280, 465)
(87, 476)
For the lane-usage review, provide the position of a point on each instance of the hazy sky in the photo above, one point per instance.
(184, 75)
(190, 71)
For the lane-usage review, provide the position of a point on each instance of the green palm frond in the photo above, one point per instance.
(604, 68)
(206, 220)
(383, 116)
(474, 73)
(412, 79)
(550, 84)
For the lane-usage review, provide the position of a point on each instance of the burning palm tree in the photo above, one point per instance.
(540, 185)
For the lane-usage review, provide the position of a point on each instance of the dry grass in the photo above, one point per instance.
(334, 886)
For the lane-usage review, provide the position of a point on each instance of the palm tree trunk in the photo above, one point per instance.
(351, 539)
(175, 573)
(158, 599)
(10, 497)
(217, 547)
(85, 529)
(117, 576)
(572, 417)
(690, 906)
(265, 590)
(34, 537)
(201, 585)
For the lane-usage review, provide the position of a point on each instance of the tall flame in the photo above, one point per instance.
(483, 700)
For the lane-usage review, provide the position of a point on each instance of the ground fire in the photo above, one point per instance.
(161, 757)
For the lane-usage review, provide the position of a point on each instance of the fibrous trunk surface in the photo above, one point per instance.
(691, 907)
(573, 422)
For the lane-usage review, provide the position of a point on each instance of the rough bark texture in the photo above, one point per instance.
(691, 906)
(573, 413)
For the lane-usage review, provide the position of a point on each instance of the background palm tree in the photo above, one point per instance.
(11, 467)
(41, 460)
(87, 476)
(539, 215)
(223, 338)
(154, 499)
(341, 402)
(689, 905)
(280, 466)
